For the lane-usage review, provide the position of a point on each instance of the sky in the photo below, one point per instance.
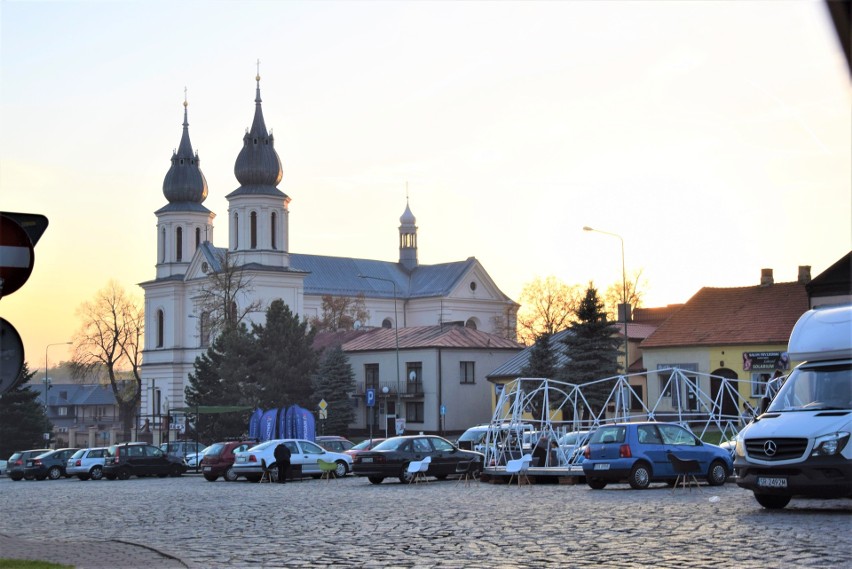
(714, 138)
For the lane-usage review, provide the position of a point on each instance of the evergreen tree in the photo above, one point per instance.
(542, 363)
(334, 382)
(219, 378)
(22, 419)
(592, 349)
(286, 360)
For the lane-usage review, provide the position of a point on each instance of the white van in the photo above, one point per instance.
(800, 446)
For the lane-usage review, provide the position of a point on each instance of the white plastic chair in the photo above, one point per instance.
(518, 467)
(417, 469)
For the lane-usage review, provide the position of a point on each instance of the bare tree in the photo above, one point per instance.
(109, 339)
(341, 313)
(547, 306)
(220, 296)
(613, 296)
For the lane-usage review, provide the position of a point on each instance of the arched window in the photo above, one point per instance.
(236, 230)
(387, 323)
(204, 331)
(471, 323)
(253, 229)
(161, 325)
(179, 244)
(273, 222)
(163, 245)
(197, 237)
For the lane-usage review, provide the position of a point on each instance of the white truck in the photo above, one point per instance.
(800, 446)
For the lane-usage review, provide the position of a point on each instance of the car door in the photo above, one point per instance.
(309, 454)
(650, 444)
(683, 444)
(444, 457)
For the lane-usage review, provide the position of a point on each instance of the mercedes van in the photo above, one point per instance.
(800, 446)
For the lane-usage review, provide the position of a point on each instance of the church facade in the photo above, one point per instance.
(400, 294)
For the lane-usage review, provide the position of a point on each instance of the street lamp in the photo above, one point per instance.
(396, 334)
(46, 367)
(624, 305)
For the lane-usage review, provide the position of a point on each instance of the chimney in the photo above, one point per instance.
(804, 274)
(766, 278)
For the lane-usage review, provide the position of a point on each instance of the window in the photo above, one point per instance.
(204, 332)
(683, 394)
(197, 237)
(273, 219)
(160, 328)
(371, 376)
(387, 323)
(63, 411)
(421, 445)
(179, 244)
(163, 245)
(414, 412)
(414, 375)
(253, 230)
(466, 372)
(758, 383)
(637, 399)
(236, 230)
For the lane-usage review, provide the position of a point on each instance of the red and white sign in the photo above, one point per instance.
(17, 256)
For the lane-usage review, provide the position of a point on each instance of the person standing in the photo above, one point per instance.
(282, 460)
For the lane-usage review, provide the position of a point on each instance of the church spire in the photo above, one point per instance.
(407, 237)
(184, 182)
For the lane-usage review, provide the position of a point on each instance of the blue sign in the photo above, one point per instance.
(371, 397)
(443, 409)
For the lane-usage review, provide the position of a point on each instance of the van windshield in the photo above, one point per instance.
(814, 387)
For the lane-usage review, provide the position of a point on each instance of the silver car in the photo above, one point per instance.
(304, 457)
(86, 463)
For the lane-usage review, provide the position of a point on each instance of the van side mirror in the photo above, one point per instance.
(764, 404)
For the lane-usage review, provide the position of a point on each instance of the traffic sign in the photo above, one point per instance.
(12, 360)
(443, 410)
(17, 256)
(371, 397)
(323, 404)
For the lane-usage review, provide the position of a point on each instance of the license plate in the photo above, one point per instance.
(602, 466)
(771, 482)
(208, 468)
(366, 460)
(241, 459)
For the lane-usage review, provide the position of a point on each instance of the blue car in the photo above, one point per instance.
(638, 453)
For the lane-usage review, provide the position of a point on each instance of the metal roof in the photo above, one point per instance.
(383, 339)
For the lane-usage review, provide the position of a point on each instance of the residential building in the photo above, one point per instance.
(82, 415)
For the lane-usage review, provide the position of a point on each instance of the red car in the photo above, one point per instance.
(218, 460)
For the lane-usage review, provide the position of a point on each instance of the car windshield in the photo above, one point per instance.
(365, 444)
(214, 449)
(611, 434)
(390, 444)
(815, 387)
(15, 456)
(473, 435)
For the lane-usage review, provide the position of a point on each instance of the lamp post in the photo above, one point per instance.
(396, 334)
(47, 367)
(623, 292)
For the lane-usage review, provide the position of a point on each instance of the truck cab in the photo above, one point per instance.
(800, 445)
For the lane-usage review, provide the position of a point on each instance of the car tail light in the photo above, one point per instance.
(252, 458)
(36, 462)
(78, 463)
(624, 451)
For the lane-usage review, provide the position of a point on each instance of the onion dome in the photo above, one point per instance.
(407, 217)
(258, 167)
(184, 182)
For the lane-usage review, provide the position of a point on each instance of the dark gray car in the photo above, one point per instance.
(18, 461)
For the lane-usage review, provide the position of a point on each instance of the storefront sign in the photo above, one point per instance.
(760, 361)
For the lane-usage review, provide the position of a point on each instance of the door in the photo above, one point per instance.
(444, 457)
(651, 445)
(310, 453)
(683, 444)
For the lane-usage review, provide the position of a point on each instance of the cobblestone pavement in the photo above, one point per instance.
(349, 522)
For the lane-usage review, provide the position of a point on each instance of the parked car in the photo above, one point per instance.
(87, 463)
(140, 459)
(366, 444)
(571, 447)
(303, 454)
(390, 458)
(638, 453)
(182, 449)
(334, 444)
(193, 459)
(50, 464)
(16, 463)
(218, 459)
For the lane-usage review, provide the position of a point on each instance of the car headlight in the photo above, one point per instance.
(740, 447)
(830, 445)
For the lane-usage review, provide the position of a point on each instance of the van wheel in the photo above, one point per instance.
(772, 501)
(640, 476)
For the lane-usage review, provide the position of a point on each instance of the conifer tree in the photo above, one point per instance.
(22, 419)
(335, 382)
(592, 349)
(285, 358)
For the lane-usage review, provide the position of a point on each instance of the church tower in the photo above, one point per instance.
(183, 224)
(408, 239)
(257, 210)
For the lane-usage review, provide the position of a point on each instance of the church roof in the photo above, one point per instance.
(184, 185)
(383, 339)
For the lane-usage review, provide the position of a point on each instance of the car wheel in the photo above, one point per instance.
(596, 483)
(772, 501)
(123, 474)
(211, 477)
(83, 476)
(341, 470)
(175, 471)
(230, 475)
(55, 473)
(640, 476)
(375, 479)
(16, 477)
(717, 474)
(404, 475)
(97, 472)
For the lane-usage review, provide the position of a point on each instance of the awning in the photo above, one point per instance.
(211, 409)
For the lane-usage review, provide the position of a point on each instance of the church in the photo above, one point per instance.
(399, 294)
